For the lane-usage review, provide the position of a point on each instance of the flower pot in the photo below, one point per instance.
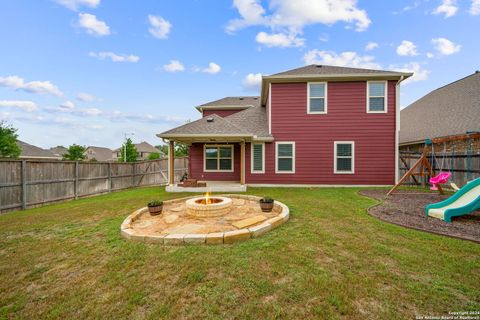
(266, 206)
(155, 210)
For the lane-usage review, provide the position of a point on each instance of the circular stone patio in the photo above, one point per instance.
(173, 226)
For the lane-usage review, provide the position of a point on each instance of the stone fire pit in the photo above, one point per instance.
(196, 220)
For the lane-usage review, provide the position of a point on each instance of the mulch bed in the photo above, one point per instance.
(407, 208)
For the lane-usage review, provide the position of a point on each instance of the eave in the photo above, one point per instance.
(225, 107)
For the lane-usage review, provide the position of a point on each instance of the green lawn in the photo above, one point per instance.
(330, 260)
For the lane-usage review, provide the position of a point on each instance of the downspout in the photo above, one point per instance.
(397, 127)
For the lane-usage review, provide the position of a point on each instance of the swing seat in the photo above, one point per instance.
(442, 177)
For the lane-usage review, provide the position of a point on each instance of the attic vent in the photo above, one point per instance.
(209, 119)
(318, 66)
(477, 71)
(255, 98)
(241, 99)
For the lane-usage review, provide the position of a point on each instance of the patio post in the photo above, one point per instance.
(242, 163)
(171, 163)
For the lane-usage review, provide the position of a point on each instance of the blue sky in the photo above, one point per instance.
(86, 71)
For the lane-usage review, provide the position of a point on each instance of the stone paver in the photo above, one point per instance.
(236, 236)
(173, 239)
(214, 238)
(260, 230)
(275, 222)
(170, 218)
(195, 238)
(249, 221)
(185, 228)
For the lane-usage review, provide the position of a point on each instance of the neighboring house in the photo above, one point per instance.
(449, 111)
(58, 151)
(315, 125)
(144, 150)
(98, 154)
(35, 153)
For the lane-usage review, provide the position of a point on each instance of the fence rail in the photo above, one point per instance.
(463, 166)
(30, 183)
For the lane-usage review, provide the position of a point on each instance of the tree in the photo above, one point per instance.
(75, 152)
(181, 150)
(8, 141)
(132, 152)
(154, 156)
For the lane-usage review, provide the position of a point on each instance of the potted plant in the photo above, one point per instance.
(155, 207)
(266, 204)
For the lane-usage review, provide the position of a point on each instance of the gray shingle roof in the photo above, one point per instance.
(58, 150)
(100, 153)
(31, 151)
(449, 110)
(234, 101)
(318, 69)
(146, 147)
(249, 122)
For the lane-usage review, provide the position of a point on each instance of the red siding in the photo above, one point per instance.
(221, 113)
(314, 136)
(196, 165)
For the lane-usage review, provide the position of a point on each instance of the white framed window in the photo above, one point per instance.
(218, 158)
(377, 97)
(257, 161)
(344, 157)
(285, 157)
(317, 97)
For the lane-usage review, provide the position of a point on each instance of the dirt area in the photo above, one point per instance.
(407, 208)
(175, 220)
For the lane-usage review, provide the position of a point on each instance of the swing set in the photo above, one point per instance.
(424, 168)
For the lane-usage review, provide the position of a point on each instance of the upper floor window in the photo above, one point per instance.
(285, 157)
(377, 96)
(317, 97)
(218, 158)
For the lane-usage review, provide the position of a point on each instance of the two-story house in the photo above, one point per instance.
(314, 125)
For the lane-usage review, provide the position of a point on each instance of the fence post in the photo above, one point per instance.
(133, 173)
(24, 184)
(75, 186)
(109, 177)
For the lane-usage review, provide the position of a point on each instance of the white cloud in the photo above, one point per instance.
(430, 55)
(419, 74)
(407, 48)
(75, 4)
(279, 40)
(446, 47)
(41, 87)
(475, 8)
(85, 97)
(252, 81)
(371, 46)
(92, 25)
(115, 57)
(294, 15)
(212, 68)
(173, 66)
(343, 59)
(448, 8)
(67, 106)
(159, 27)
(28, 106)
(91, 111)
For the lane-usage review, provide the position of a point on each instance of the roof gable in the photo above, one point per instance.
(319, 69)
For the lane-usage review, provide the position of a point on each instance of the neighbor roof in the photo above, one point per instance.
(146, 147)
(58, 150)
(31, 151)
(231, 103)
(101, 153)
(251, 122)
(450, 110)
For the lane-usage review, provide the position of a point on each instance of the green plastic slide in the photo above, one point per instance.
(464, 201)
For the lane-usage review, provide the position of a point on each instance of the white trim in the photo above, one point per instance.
(336, 143)
(218, 157)
(297, 185)
(325, 98)
(397, 129)
(385, 100)
(263, 158)
(269, 106)
(293, 156)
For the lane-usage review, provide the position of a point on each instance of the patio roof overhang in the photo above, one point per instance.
(207, 138)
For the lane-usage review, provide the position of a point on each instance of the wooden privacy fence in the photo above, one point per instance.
(30, 183)
(463, 166)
